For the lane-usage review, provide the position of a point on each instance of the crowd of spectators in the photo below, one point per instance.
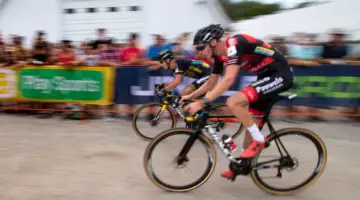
(305, 50)
(302, 50)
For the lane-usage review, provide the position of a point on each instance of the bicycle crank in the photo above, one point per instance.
(242, 168)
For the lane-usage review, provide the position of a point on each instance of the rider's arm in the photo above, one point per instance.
(234, 52)
(209, 85)
(154, 65)
(225, 83)
(174, 83)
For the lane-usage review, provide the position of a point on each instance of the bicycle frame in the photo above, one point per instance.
(212, 134)
(174, 106)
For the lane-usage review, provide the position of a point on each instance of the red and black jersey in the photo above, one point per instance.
(252, 54)
(218, 64)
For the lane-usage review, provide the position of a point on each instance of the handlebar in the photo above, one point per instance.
(175, 101)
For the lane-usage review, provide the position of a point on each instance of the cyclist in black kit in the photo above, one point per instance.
(245, 52)
(183, 67)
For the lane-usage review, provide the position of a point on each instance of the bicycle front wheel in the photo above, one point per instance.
(232, 126)
(282, 170)
(165, 149)
(152, 118)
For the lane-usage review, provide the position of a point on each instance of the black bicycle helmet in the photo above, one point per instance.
(206, 34)
(163, 55)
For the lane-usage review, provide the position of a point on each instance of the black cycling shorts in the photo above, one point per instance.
(198, 83)
(268, 85)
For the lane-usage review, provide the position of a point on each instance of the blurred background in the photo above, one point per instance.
(117, 33)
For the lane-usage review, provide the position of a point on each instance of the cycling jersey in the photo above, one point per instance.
(192, 68)
(253, 54)
(218, 66)
(274, 73)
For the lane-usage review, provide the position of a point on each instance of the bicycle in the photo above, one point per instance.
(283, 161)
(171, 104)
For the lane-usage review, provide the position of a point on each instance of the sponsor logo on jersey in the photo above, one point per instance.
(231, 51)
(205, 65)
(195, 69)
(270, 86)
(203, 79)
(264, 51)
(260, 81)
(232, 41)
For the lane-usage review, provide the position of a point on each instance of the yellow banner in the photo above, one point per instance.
(7, 84)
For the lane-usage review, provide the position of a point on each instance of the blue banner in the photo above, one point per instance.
(327, 85)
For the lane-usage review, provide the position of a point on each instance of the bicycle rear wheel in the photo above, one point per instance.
(178, 161)
(232, 126)
(157, 112)
(286, 164)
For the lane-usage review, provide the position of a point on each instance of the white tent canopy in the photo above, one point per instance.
(318, 19)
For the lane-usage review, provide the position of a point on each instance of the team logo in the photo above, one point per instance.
(269, 86)
(231, 51)
(264, 51)
(232, 41)
(261, 81)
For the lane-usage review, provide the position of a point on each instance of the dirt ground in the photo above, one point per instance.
(52, 159)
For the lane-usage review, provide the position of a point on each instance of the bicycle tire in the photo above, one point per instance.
(136, 116)
(167, 187)
(322, 152)
(238, 131)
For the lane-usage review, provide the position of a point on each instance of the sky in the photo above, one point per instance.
(284, 3)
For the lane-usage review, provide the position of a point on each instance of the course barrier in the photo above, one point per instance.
(86, 85)
(327, 85)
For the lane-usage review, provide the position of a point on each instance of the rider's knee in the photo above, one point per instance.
(233, 102)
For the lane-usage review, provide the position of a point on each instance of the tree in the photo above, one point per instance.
(248, 9)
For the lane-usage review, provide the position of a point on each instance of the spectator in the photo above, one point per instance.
(305, 51)
(3, 54)
(20, 54)
(108, 54)
(66, 55)
(183, 38)
(179, 46)
(89, 56)
(41, 53)
(101, 37)
(132, 53)
(108, 57)
(335, 50)
(82, 48)
(158, 46)
(41, 50)
(101, 32)
(279, 44)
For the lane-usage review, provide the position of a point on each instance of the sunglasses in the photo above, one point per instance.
(200, 47)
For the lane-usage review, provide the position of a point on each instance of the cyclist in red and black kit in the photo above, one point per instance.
(245, 52)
